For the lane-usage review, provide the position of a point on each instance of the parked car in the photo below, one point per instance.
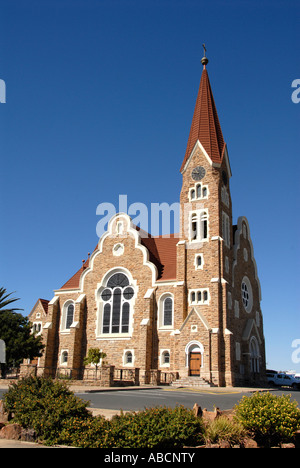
(283, 380)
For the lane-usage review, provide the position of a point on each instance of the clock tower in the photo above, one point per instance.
(204, 255)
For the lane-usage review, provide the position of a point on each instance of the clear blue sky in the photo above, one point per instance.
(100, 97)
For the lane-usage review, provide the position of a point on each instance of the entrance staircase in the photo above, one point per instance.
(193, 382)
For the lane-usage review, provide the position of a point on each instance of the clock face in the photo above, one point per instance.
(198, 173)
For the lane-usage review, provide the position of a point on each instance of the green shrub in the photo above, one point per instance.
(223, 429)
(271, 419)
(159, 427)
(155, 427)
(58, 417)
(43, 404)
(86, 433)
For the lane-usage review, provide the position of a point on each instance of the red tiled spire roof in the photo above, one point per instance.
(205, 124)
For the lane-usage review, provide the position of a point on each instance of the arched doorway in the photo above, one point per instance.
(194, 358)
(254, 355)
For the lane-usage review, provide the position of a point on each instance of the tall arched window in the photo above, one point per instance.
(254, 355)
(203, 225)
(194, 227)
(116, 298)
(198, 226)
(67, 316)
(166, 311)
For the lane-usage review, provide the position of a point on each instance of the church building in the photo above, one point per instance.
(182, 307)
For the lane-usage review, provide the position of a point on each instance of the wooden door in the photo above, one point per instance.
(195, 364)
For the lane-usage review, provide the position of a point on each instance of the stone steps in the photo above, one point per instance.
(196, 382)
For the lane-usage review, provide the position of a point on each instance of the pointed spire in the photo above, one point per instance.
(205, 124)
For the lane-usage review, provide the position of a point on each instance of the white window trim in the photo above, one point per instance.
(254, 353)
(118, 249)
(35, 324)
(61, 357)
(161, 358)
(195, 189)
(128, 364)
(249, 306)
(63, 322)
(196, 291)
(225, 196)
(99, 321)
(198, 216)
(226, 229)
(197, 267)
(160, 317)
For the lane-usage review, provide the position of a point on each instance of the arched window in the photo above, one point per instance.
(116, 298)
(254, 355)
(194, 227)
(67, 316)
(247, 295)
(165, 358)
(198, 225)
(166, 311)
(128, 358)
(199, 296)
(203, 225)
(64, 357)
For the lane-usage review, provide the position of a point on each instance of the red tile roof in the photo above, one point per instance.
(44, 303)
(162, 252)
(73, 282)
(205, 124)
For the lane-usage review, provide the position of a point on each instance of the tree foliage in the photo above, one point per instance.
(94, 357)
(15, 330)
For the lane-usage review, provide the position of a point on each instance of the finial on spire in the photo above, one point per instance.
(204, 59)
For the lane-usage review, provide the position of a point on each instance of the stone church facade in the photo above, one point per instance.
(187, 304)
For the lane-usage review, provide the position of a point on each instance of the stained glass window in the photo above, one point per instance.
(116, 311)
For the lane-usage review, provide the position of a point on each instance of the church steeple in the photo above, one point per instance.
(205, 124)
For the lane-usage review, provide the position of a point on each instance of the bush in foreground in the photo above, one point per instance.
(58, 417)
(159, 427)
(271, 419)
(43, 405)
(224, 429)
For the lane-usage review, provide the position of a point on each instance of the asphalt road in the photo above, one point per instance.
(135, 400)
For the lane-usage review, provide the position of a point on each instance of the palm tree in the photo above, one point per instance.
(4, 301)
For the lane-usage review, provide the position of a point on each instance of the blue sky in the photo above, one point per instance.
(100, 97)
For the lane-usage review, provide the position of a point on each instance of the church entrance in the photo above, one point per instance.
(195, 364)
(194, 358)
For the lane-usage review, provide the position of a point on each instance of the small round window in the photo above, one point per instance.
(247, 296)
(106, 295)
(128, 293)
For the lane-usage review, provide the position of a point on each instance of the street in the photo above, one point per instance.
(135, 400)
